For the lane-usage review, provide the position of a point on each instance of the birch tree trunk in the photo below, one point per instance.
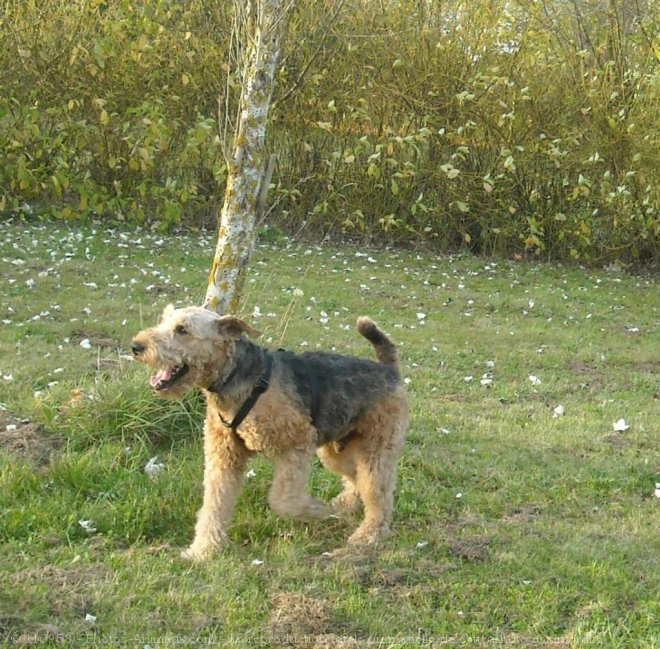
(248, 178)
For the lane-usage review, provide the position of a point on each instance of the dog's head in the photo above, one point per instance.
(189, 347)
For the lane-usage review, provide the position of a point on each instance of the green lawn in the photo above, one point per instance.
(513, 527)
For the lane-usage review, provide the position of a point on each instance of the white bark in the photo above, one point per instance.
(247, 164)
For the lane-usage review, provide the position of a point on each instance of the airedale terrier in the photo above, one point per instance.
(351, 412)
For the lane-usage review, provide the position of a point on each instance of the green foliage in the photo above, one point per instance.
(496, 126)
(100, 113)
(503, 128)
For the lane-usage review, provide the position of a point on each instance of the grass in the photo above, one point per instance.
(513, 528)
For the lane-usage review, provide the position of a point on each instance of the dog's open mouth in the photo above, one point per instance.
(167, 377)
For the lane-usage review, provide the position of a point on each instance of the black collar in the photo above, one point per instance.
(260, 387)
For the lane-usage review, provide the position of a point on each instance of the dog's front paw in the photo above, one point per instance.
(203, 550)
(368, 535)
(197, 554)
(347, 502)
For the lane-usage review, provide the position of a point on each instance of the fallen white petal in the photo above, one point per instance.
(85, 344)
(152, 467)
(90, 618)
(422, 544)
(257, 562)
(535, 380)
(87, 525)
(558, 411)
(621, 425)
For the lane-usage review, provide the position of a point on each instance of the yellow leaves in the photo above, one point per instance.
(373, 171)
(104, 117)
(326, 126)
(532, 241)
(185, 79)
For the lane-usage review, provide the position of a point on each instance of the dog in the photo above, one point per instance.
(351, 412)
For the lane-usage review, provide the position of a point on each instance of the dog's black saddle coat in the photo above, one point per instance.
(335, 390)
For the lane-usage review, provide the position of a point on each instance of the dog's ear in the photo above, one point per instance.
(229, 324)
(167, 312)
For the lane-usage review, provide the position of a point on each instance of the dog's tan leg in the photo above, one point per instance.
(225, 458)
(289, 494)
(377, 454)
(342, 463)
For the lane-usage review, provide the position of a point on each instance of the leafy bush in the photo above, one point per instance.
(495, 126)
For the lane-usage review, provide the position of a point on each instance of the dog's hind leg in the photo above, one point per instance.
(342, 463)
(377, 453)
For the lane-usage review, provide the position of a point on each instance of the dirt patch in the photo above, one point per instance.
(617, 441)
(649, 367)
(59, 579)
(523, 514)
(590, 375)
(298, 620)
(38, 634)
(96, 338)
(26, 439)
(452, 397)
(470, 549)
(70, 589)
(295, 614)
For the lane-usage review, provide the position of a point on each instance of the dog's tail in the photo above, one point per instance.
(386, 351)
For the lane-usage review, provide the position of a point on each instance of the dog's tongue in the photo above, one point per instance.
(163, 375)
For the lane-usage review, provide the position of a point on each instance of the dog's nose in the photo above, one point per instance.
(137, 348)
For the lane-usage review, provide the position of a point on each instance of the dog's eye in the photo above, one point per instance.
(180, 329)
